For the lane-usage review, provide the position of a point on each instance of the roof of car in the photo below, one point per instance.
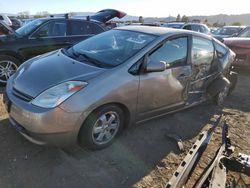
(151, 30)
(160, 31)
(63, 18)
(193, 23)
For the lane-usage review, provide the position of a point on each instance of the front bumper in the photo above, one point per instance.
(41, 126)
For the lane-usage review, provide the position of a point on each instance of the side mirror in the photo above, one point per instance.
(159, 66)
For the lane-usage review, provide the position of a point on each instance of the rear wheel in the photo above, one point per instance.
(8, 66)
(101, 127)
(221, 96)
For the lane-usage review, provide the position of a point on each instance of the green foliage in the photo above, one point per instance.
(236, 24)
(41, 14)
(184, 18)
(178, 19)
(141, 19)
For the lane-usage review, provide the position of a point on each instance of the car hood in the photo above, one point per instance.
(237, 42)
(45, 71)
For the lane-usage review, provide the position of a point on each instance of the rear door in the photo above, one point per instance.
(50, 36)
(80, 30)
(160, 92)
(203, 65)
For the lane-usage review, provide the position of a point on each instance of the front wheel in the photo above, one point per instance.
(101, 127)
(8, 66)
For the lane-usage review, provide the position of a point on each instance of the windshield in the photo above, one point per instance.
(29, 27)
(113, 47)
(228, 31)
(245, 33)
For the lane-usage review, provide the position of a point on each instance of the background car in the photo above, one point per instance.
(241, 46)
(48, 34)
(5, 29)
(5, 19)
(201, 28)
(175, 25)
(16, 23)
(90, 92)
(227, 31)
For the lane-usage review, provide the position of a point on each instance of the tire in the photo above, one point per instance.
(8, 66)
(233, 78)
(221, 96)
(94, 132)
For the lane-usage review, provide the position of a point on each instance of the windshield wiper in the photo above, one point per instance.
(86, 58)
(90, 59)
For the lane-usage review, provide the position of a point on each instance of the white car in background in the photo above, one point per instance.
(5, 19)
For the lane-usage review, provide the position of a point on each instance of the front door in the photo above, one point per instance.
(164, 91)
(51, 36)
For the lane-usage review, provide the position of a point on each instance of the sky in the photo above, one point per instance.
(145, 8)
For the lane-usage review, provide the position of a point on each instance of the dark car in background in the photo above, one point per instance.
(48, 34)
(16, 23)
(5, 29)
(227, 31)
(201, 28)
(241, 46)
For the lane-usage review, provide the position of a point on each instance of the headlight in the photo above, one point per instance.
(57, 94)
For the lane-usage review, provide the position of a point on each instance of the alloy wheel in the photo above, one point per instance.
(7, 68)
(105, 128)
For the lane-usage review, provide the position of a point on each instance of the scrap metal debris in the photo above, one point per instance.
(216, 173)
(184, 170)
(177, 139)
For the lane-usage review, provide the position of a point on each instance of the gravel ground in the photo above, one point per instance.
(142, 157)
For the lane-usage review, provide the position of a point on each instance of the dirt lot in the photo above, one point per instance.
(141, 157)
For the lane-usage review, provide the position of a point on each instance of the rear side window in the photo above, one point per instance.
(96, 28)
(173, 52)
(79, 27)
(202, 51)
(187, 27)
(205, 30)
(1, 18)
(220, 50)
(197, 28)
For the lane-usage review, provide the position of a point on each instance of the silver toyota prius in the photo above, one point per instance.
(90, 92)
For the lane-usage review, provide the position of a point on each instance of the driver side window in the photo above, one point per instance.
(173, 52)
(52, 29)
